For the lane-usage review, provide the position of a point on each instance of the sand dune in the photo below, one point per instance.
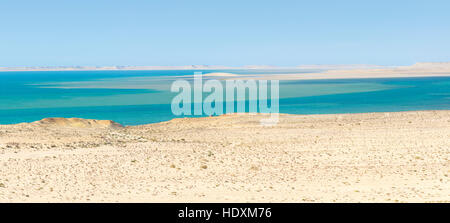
(416, 70)
(78, 122)
(220, 74)
(378, 157)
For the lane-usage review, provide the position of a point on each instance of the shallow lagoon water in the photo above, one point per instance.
(140, 97)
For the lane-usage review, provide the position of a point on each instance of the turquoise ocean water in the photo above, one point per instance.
(140, 97)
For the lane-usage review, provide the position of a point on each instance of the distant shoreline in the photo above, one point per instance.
(138, 68)
(323, 71)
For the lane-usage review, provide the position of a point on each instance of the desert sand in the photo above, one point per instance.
(374, 157)
(416, 70)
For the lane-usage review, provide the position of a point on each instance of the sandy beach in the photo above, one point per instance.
(321, 72)
(374, 157)
(416, 70)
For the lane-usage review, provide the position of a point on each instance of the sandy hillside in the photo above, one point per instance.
(381, 157)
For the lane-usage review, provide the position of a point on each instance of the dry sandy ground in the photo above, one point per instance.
(379, 157)
(416, 70)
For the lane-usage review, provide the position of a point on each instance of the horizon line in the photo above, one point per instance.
(210, 67)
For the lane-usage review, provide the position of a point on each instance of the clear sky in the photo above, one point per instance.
(225, 32)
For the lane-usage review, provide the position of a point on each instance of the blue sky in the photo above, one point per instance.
(232, 33)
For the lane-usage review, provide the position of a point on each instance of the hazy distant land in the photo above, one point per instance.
(93, 68)
(316, 71)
